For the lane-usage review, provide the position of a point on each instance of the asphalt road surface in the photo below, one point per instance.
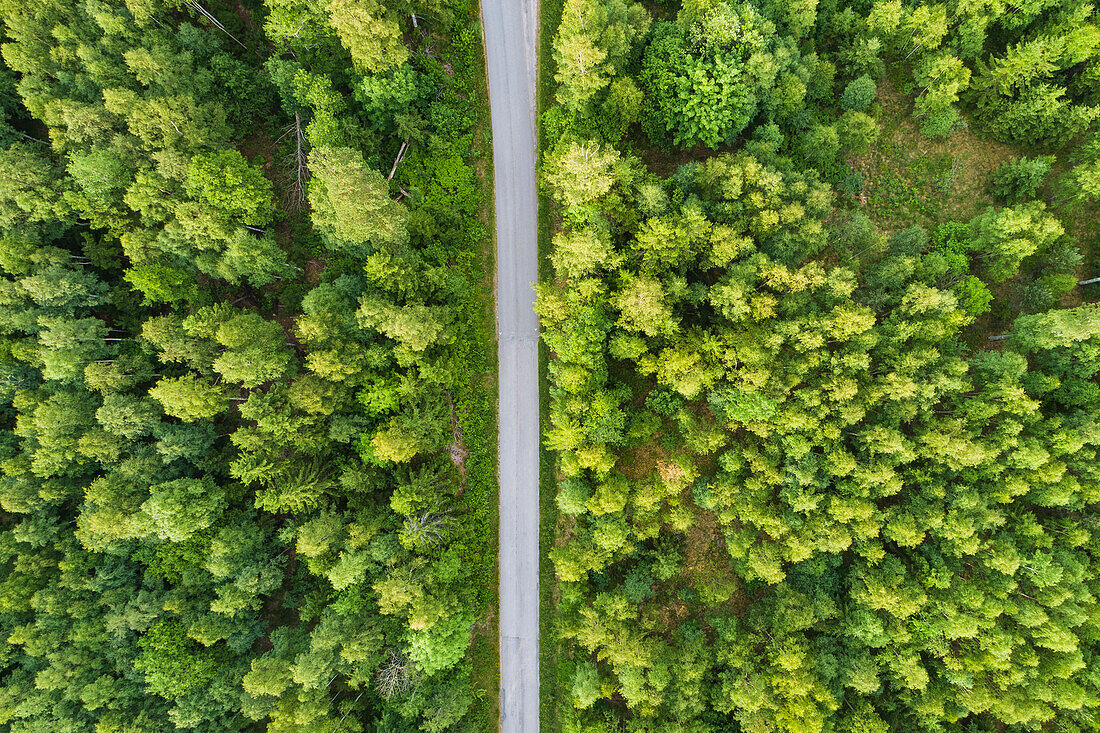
(511, 33)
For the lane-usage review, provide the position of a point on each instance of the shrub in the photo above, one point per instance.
(859, 94)
(942, 122)
(857, 131)
(950, 240)
(1017, 180)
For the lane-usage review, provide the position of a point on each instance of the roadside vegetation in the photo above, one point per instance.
(247, 434)
(823, 378)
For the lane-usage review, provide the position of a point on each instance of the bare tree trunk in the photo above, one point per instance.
(397, 160)
(301, 170)
(1089, 281)
(217, 23)
(1002, 337)
(350, 708)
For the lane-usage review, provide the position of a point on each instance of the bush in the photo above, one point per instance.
(1017, 180)
(942, 122)
(851, 184)
(857, 131)
(859, 94)
(950, 240)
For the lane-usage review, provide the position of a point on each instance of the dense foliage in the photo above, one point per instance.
(246, 478)
(816, 472)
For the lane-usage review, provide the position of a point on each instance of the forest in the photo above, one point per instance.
(246, 372)
(823, 355)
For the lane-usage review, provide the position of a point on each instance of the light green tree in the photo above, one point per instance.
(369, 34)
(189, 397)
(351, 202)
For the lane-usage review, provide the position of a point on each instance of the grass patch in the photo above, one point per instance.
(476, 409)
(549, 647)
(911, 179)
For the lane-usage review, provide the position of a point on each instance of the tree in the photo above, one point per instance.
(236, 189)
(581, 252)
(859, 94)
(1082, 182)
(1056, 328)
(1002, 239)
(351, 203)
(162, 283)
(857, 132)
(441, 646)
(690, 100)
(171, 663)
(128, 416)
(369, 34)
(416, 326)
(102, 175)
(68, 344)
(595, 41)
(820, 145)
(1016, 181)
(798, 16)
(177, 509)
(1038, 114)
(620, 110)
(581, 172)
(190, 397)
(255, 350)
(644, 306)
(942, 77)
(30, 186)
(175, 344)
(578, 60)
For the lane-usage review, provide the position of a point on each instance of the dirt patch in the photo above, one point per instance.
(314, 270)
(643, 462)
(259, 144)
(665, 164)
(702, 540)
(289, 322)
(245, 15)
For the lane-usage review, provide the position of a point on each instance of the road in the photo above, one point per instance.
(511, 38)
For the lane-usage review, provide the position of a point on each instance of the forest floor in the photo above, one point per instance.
(911, 179)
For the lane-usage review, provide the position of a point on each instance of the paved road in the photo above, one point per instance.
(511, 32)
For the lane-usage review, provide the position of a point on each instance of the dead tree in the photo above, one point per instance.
(297, 194)
(394, 677)
(398, 159)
